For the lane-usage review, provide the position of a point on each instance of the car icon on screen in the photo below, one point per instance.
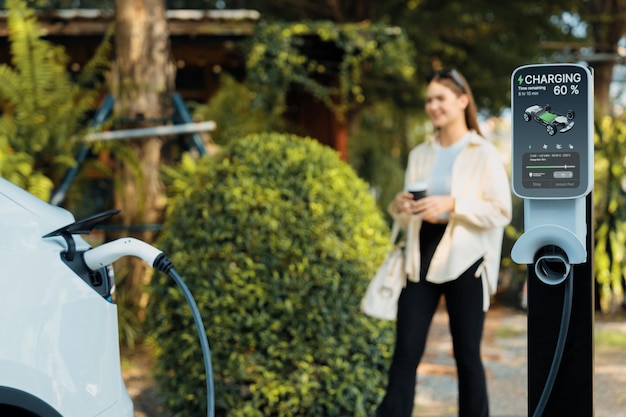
(553, 122)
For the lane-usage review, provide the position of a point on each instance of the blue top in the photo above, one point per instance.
(439, 180)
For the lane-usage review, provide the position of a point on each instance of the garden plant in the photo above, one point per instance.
(277, 238)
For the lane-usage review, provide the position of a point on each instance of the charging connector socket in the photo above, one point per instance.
(552, 266)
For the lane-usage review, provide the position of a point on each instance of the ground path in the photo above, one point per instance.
(505, 356)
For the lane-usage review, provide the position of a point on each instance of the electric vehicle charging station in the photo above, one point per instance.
(552, 170)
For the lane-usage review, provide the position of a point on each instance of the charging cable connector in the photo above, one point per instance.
(552, 266)
(110, 252)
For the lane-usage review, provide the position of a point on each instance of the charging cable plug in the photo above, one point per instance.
(109, 252)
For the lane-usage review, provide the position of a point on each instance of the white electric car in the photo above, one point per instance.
(59, 348)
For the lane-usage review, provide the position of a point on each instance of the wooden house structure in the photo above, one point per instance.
(203, 42)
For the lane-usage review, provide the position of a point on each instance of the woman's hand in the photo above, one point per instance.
(429, 208)
(403, 203)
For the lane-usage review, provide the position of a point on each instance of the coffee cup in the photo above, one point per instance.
(417, 189)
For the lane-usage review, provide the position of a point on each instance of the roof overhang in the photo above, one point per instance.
(94, 22)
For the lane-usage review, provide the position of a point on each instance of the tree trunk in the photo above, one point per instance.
(142, 78)
(602, 76)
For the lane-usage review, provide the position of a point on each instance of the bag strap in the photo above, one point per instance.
(395, 231)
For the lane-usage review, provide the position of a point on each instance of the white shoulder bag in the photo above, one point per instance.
(381, 297)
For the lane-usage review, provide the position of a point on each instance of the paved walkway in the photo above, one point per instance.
(505, 358)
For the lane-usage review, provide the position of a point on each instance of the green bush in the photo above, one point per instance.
(610, 213)
(277, 239)
(233, 110)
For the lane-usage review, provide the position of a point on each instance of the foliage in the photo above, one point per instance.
(43, 109)
(234, 114)
(379, 146)
(486, 40)
(276, 238)
(349, 67)
(605, 24)
(329, 61)
(18, 168)
(378, 141)
(610, 210)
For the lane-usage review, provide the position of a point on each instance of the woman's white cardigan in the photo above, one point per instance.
(480, 187)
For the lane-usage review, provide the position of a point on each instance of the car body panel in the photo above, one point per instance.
(59, 337)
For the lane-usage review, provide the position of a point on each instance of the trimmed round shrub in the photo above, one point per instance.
(277, 239)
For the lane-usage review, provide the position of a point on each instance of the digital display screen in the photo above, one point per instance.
(552, 149)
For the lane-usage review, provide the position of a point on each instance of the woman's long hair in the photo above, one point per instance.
(456, 82)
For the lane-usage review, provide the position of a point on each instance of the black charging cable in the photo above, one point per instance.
(560, 345)
(163, 264)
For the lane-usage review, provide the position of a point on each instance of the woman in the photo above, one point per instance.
(454, 240)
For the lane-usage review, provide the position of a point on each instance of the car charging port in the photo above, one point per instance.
(100, 279)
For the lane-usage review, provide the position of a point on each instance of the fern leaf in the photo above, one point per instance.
(45, 111)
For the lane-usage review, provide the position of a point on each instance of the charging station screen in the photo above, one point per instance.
(552, 137)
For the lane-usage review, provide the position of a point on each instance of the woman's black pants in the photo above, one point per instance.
(416, 307)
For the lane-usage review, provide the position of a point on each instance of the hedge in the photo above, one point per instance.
(277, 238)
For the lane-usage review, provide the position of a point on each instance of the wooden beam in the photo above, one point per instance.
(90, 22)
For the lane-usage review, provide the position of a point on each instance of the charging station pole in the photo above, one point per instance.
(552, 170)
